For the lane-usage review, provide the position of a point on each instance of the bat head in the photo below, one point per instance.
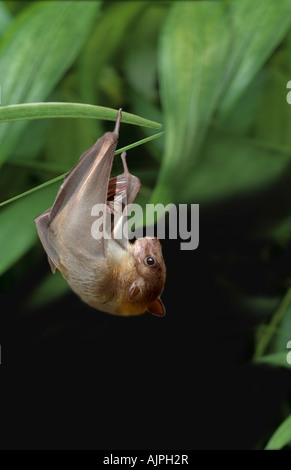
(151, 270)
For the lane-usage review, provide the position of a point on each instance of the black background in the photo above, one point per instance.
(76, 378)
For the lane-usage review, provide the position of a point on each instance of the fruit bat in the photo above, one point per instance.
(110, 274)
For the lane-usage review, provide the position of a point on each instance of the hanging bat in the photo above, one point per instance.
(111, 275)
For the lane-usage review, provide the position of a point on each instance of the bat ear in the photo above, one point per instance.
(157, 308)
(133, 290)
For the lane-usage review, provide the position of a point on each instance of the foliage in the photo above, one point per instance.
(204, 70)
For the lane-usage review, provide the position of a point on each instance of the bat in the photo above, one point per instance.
(110, 274)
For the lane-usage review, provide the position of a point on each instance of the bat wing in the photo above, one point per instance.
(69, 220)
(42, 224)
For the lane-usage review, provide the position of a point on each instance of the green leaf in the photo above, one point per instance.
(21, 112)
(253, 38)
(17, 229)
(240, 119)
(139, 65)
(140, 55)
(232, 165)
(66, 140)
(192, 55)
(266, 332)
(103, 44)
(283, 333)
(60, 177)
(40, 46)
(36, 167)
(278, 359)
(13, 182)
(280, 232)
(5, 18)
(31, 141)
(144, 107)
(273, 117)
(281, 437)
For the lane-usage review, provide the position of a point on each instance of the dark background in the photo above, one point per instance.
(77, 378)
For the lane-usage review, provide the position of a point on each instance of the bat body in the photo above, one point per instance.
(111, 275)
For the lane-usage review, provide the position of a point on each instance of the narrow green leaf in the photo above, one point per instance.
(51, 167)
(32, 190)
(59, 178)
(66, 139)
(253, 38)
(35, 52)
(144, 107)
(21, 112)
(13, 182)
(17, 229)
(280, 231)
(281, 437)
(268, 331)
(283, 333)
(37, 166)
(192, 56)
(278, 359)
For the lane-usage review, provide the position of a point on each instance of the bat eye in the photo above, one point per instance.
(150, 261)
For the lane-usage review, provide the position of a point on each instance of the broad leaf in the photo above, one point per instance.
(105, 41)
(231, 165)
(256, 28)
(281, 437)
(35, 52)
(5, 18)
(192, 57)
(273, 117)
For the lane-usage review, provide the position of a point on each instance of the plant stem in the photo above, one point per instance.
(265, 339)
